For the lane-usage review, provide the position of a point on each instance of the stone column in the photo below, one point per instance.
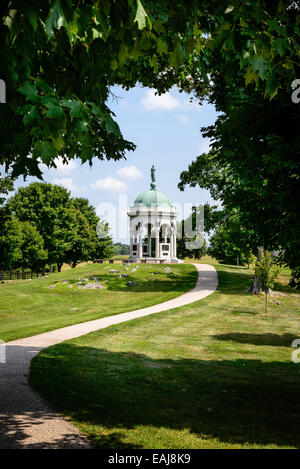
(157, 253)
(171, 244)
(140, 246)
(149, 241)
(131, 237)
(175, 245)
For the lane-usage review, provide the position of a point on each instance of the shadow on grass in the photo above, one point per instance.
(234, 401)
(275, 340)
(234, 282)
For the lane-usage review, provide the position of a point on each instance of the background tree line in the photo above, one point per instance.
(228, 240)
(42, 225)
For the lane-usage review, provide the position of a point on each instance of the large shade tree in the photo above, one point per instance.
(67, 226)
(21, 246)
(46, 206)
(59, 60)
(253, 164)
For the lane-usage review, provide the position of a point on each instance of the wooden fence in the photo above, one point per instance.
(19, 275)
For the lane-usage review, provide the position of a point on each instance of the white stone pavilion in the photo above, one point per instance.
(153, 221)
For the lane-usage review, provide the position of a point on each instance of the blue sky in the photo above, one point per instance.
(166, 130)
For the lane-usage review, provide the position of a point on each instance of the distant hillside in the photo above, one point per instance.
(121, 249)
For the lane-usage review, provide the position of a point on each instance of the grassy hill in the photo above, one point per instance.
(213, 374)
(29, 307)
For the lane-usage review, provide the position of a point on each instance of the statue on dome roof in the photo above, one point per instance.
(153, 182)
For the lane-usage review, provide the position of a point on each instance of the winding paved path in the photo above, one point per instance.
(26, 420)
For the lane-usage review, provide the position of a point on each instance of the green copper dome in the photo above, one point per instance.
(153, 197)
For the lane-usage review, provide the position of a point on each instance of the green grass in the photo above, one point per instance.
(29, 307)
(214, 374)
(206, 259)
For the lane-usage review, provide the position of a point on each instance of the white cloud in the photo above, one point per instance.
(68, 184)
(109, 184)
(152, 102)
(65, 168)
(130, 172)
(183, 119)
(61, 167)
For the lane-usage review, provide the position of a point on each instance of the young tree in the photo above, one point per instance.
(267, 272)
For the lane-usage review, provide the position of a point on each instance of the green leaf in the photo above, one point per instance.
(280, 45)
(162, 47)
(259, 65)
(112, 127)
(58, 143)
(44, 150)
(96, 34)
(272, 86)
(33, 19)
(250, 75)
(29, 91)
(55, 112)
(56, 19)
(75, 108)
(141, 15)
(30, 115)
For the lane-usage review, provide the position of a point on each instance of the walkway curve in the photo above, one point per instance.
(26, 420)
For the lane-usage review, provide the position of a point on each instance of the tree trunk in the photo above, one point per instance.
(59, 266)
(255, 287)
(266, 302)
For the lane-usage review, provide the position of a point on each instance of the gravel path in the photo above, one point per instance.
(26, 420)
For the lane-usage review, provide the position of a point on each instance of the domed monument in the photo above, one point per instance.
(153, 220)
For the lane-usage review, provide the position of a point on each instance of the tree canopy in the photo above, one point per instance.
(253, 164)
(44, 225)
(59, 60)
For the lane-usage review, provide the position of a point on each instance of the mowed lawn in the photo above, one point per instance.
(213, 374)
(29, 307)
